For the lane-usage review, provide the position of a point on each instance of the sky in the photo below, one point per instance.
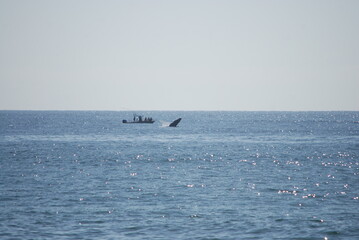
(228, 55)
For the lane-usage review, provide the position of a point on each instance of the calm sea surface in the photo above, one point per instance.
(218, 175)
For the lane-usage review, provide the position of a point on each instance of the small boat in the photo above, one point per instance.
(140, 119)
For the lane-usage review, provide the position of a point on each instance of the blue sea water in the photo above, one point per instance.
(218, 175)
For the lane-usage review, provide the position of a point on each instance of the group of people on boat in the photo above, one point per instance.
(140, 119)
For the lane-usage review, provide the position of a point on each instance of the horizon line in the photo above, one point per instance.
(167, 110)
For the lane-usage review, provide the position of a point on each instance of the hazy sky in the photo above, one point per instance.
(179, 55)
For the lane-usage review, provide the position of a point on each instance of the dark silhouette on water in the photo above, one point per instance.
(175, 122)
(140, 119)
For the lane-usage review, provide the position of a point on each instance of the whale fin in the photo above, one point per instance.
(175, 122)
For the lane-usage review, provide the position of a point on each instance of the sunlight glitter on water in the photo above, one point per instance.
(210, 179)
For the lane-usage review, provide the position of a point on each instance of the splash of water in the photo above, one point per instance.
(164, 123)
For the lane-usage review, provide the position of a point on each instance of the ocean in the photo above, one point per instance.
(218, 175)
